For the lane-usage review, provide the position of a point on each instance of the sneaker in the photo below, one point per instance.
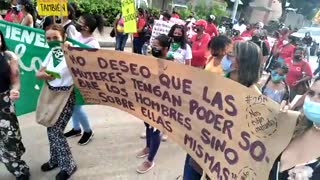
(86, 138)
(63, 175)
(143, 153)
(47, 167)
(145, 167)
(143, 135)
(73, 133)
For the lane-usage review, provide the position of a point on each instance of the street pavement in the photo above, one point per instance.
(110, 156)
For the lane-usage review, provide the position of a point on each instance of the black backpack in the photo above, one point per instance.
(67, 26)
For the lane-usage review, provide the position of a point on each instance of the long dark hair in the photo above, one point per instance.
(164, 40)
(219, 43)
(29, 8)
(184, 41)
(285, 69)
(3, 47)
(93, 22)
(248, 57)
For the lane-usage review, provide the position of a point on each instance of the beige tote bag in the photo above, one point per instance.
(50, 105)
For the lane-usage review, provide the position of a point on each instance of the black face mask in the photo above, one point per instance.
(297, 57)
(78, 27)
(156, 53)
(255, 38)
(177, 38)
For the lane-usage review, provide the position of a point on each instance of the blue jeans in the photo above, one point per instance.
(80, 117)
(145, 48)
(137, 45)
(153, 139)
(121, 41)
(189, 173)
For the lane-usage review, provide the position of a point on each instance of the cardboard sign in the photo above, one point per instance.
(52, 7)
(232, 131)
(177, 21)
(129, 15)
(160, 27)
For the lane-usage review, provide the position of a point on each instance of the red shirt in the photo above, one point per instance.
(140, 24)
(295, 71)
(237, 39)
(8, 16)
(175, 15)
(287, 51)
(212, 30)
(247, 33)
(199, 49)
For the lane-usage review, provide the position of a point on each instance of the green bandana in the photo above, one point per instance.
(57, 52)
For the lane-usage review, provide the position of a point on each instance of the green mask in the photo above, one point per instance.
(175, 46)
(57, 52)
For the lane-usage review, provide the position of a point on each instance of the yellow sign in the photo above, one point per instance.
(129, 15)
(52, 7)
(229, 129)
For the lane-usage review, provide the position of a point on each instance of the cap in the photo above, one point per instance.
(212, 17)
(201, 22)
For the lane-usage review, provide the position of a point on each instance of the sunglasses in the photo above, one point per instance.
(312, 93)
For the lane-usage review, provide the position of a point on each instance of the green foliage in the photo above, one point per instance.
(184, 13)
(108, 9)
(154, 12)
(306, 8)
(204, 9)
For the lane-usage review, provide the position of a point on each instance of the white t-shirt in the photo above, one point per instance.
(90, 41)
(181, 55)
(71, 30)
(241, 28)
(61, 68)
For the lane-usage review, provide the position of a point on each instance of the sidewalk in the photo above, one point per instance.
(110, 156)
(106, 41)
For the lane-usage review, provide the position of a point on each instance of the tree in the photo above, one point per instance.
(308, 8)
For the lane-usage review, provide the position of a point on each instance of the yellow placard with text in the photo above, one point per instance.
(52, 7)
(129, 15)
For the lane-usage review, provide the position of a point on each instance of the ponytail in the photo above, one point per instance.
(100, 23)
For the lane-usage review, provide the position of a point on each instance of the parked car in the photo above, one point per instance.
(315, 34)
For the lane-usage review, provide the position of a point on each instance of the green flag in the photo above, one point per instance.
(30, 45)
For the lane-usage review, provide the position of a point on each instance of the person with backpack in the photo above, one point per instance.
(275, 87)
(86, 25)
(121, 36)
(138, 38)
(68, 23)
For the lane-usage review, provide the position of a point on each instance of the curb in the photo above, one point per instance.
(112, 44)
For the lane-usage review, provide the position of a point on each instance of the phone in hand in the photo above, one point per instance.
(53, 74)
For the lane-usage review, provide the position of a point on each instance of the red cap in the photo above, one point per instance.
(201, 22)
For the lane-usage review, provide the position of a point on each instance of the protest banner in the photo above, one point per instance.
(177, 21)
(29, 44)
(129, 15)
(52, 7)
(160, 27)
(229, 129)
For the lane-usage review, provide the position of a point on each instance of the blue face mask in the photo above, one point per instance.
(19, 7)
(276, 78)
(311, 110)
(226, 64)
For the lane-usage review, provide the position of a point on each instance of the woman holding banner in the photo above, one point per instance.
(11, 147)
(160, 47)
(245, 71)
(86, 25)
(58, 85)
(300, 160)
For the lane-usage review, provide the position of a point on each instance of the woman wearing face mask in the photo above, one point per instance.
(275, 86)
(300, 160)
(299, 73)
(180, 50)
(28, 11)
(160, 47)
(11, 146)
(220, 47)
(86, 25)
(60, 153)
(246, 64)
(68, 23)
(13, 15)
(200, 43)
